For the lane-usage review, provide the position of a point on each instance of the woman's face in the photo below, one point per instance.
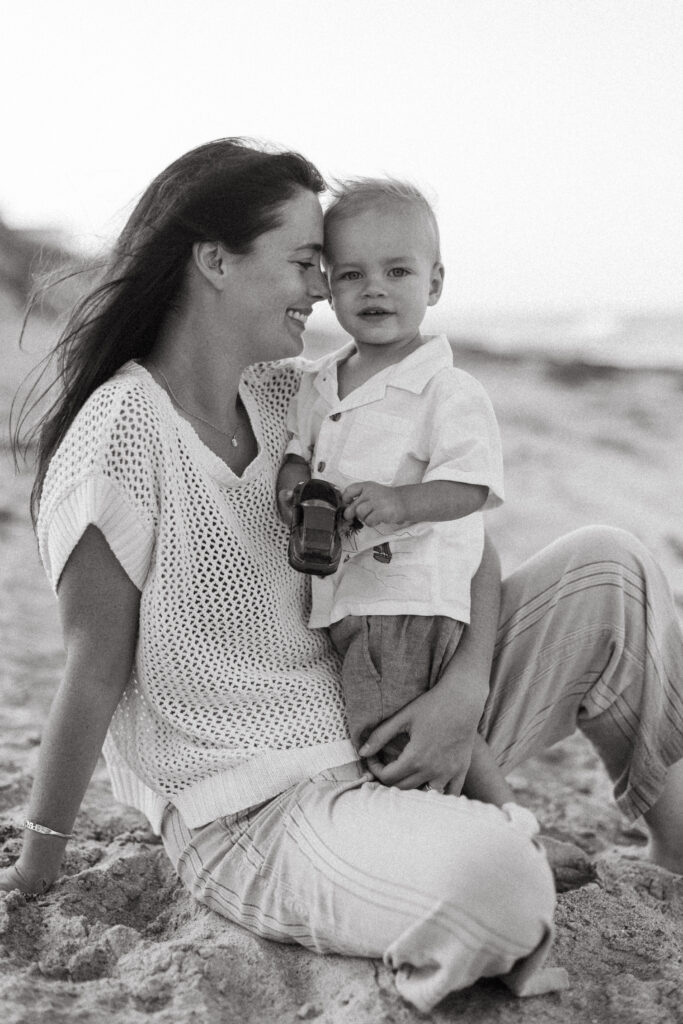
(273, 288)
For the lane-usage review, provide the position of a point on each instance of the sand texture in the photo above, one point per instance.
(118, 940)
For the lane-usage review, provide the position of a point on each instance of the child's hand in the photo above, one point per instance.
(439, 749)
(373, 503)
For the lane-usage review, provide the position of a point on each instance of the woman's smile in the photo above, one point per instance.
(299, 315)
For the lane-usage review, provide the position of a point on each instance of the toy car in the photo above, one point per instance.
(314, 536)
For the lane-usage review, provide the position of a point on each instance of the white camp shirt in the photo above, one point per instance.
(421, 419)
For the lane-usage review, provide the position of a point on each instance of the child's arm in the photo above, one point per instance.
(293, 470)
(431, 502)
(99, 609)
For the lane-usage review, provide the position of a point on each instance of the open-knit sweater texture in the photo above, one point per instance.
(232, 697)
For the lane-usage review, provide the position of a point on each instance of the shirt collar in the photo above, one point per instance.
(411, 374)
(415, 371)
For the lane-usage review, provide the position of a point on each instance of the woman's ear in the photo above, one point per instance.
(436, 283)
(210, 260)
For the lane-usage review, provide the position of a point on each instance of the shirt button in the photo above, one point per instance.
(335, 416)
(321, 467)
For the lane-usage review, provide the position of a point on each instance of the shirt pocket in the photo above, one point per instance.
(374, 446)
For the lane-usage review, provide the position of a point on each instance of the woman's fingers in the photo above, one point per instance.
(382, 733)
(284, 504)
(387, 777)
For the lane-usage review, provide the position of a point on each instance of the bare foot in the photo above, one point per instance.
(665, 823)
(664, 858)
(571, 867)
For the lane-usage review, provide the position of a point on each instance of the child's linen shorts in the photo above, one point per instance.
(389, 660)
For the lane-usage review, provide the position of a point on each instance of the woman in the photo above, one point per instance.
(185, 629)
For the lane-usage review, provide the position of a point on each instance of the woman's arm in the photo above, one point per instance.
(442, 722)
(99, 609)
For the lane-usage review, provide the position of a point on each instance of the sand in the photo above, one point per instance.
(117, 939)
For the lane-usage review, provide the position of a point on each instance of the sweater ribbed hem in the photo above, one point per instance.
(252, 782)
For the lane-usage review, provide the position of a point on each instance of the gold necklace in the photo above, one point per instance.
(195, 416)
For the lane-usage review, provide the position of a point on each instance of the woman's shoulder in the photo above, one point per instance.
(131, 384)
(276, 382)
(126, 403)
(116, 432)
(105, 472)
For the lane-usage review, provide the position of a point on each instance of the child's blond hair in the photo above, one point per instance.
(356, 195)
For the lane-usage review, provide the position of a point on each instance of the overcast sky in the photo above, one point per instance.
(548, 132)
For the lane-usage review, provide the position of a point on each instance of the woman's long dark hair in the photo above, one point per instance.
(225, 191)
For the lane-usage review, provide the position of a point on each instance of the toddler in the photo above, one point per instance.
(413, 445)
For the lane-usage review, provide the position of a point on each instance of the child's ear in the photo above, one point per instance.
(436, 283)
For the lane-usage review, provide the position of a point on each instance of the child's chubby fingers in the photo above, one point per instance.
(350, 513)
(365, 511)
(371, 518)
(352, 492)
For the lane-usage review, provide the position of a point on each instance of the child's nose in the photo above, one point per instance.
(374, 286)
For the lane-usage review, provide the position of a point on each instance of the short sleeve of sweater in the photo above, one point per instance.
(105, 473)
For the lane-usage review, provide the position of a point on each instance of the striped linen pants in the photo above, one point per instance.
(445, 889)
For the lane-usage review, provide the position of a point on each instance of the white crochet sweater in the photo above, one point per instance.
(232, 698)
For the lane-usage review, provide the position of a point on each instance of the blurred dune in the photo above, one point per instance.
(118, 939)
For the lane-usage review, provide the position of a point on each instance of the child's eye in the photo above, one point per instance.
(398, 272)
(349, 275)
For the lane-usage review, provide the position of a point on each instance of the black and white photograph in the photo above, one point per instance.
(341, 512)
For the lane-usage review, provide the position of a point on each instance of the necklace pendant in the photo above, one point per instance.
(233, 441)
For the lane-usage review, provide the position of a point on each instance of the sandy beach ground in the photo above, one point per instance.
(118, 940)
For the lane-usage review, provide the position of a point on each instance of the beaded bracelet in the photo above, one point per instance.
(43, 830)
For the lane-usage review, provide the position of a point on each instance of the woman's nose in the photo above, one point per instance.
(317, 286)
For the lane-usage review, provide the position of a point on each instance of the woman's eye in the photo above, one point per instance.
(306, 264)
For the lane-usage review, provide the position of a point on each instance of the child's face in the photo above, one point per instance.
(383, 273)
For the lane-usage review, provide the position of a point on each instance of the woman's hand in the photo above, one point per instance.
(442, 723)
(99, 608)
(294, 470)
(284, 506)
(439, 747)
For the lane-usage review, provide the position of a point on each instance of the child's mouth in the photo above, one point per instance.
(375, 312)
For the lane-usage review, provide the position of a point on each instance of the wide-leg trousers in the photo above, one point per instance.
(445, 889)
